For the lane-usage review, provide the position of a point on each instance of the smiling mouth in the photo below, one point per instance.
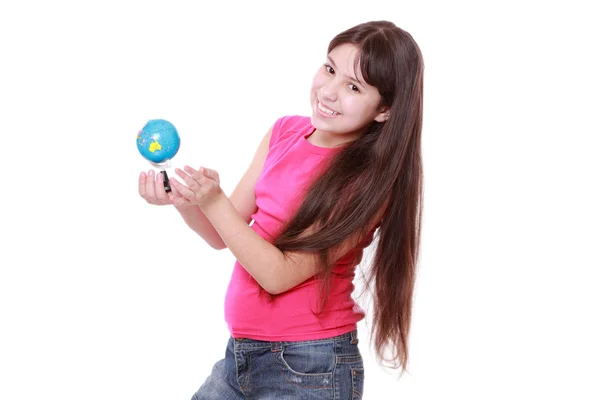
(326, 110)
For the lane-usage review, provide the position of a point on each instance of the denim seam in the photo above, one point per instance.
(356, 375)
(236, 352)
(307, 375)
(251, 343)
(287, 366)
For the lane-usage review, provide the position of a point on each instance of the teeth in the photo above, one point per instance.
(326, 110)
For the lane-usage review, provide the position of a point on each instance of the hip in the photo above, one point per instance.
(330, 368)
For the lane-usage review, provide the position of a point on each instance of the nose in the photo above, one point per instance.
(329, 91)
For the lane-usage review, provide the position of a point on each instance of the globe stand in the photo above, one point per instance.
(166, 182)
(162, 167)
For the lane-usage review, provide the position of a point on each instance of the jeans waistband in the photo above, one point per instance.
(351, 336)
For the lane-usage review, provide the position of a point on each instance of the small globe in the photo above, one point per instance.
(158, 141)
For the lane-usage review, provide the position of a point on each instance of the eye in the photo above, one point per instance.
(329, 69)
(354, 88)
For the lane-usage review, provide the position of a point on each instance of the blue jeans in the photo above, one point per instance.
(315, 369)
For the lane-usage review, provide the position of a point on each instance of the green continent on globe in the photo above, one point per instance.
(154, 146)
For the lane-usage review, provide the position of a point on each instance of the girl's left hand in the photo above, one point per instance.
(203, 185)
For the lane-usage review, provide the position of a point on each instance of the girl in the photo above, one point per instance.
(318, 189)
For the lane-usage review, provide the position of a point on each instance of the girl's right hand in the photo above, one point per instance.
(151, 188)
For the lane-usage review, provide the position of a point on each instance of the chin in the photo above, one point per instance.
(315, 120)
(319, 124)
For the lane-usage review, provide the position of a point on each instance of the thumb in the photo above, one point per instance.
(210, 173)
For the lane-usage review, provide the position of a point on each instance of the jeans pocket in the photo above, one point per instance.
(307, 365)
(358, 381)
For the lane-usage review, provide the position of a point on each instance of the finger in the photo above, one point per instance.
(195, 174)
(201, 177)
(161, 194)
(174, 189)
(209, 173)
(150, 193)
(185, 191)
(175, 184)
(216, 177)
(142, 184)
(190, 170)
(178, 201)
(190, 181)
(180, 172)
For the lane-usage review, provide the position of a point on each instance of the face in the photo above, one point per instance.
(342, 103)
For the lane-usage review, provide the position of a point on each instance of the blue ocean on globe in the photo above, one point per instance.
(158, 141)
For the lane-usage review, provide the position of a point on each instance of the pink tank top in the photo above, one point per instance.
(292, 164)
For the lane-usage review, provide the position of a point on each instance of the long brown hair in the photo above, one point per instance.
(381, 168)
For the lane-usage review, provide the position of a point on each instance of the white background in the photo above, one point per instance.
(103, 296)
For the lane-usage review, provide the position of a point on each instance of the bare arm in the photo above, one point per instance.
(243, 200)
(265, 262)
(197, 221)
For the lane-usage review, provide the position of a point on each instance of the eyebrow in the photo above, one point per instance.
(347, 76)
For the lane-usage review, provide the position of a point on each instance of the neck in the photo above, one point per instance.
(331, 140)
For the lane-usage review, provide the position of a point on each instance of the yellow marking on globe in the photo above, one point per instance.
(154, 146)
